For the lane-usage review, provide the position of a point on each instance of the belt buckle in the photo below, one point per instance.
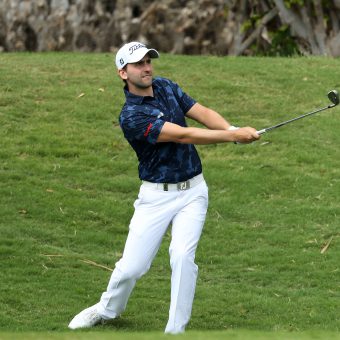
(183, 185)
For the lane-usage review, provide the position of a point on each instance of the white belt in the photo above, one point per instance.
(190, 183)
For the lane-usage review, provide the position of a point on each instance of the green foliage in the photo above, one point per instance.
(291, 3)
(68, 180)
(282, 43)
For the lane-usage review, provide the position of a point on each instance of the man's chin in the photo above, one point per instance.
(146, 83)
(147, 79)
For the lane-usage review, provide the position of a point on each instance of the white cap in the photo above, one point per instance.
(132, 53)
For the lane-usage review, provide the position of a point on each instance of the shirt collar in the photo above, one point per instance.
(133, 98)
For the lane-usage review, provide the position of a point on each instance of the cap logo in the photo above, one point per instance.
(121, 60)
(135, 47)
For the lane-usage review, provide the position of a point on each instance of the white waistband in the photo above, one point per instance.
(190, 183)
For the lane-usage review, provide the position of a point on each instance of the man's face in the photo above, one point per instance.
(138, 75)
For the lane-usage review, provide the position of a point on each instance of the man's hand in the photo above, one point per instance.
(245, 135)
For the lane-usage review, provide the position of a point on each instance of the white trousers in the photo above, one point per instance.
(154, 211)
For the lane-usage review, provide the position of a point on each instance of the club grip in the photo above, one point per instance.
(260, 132)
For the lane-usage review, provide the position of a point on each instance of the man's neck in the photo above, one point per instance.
(143, 92)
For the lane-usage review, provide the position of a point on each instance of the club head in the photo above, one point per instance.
(333, 96)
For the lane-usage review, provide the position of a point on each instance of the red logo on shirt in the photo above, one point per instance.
(147, 130)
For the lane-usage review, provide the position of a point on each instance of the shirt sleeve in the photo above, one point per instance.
(184, 100)
(141, 126)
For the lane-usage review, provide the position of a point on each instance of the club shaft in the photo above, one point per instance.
(260, 132)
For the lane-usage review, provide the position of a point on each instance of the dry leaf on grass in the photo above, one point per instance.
(97, 265)
(325, 248)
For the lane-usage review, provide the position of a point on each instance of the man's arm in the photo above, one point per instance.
(190, 135)
(207, 117)
(217, 131)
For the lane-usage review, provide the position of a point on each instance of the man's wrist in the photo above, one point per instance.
(233, 128)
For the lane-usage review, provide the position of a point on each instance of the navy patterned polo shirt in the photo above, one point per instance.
(142, 119)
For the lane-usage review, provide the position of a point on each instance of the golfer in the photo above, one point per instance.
(173, 190)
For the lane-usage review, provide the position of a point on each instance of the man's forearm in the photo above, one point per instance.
(208, 117)
(192, 135)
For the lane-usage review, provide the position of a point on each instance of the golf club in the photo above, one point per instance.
(333, 96)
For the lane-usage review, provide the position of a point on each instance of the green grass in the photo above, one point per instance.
(68, 180)
(189, 335)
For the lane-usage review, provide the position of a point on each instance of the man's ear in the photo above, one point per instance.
(122, 73)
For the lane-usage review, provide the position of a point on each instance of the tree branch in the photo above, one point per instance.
(320, 29)
(254, 35)
(290, 18)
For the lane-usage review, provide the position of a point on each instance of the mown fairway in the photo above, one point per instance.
(269, 255)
